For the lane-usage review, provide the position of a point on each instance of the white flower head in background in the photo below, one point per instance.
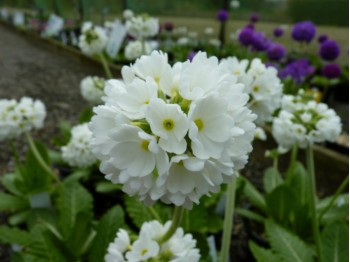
(234, 4)
(173, 133)
(77, 153)
(135, 49)
(180, 247)
(261, 83)
(91, 89)
(128, 14)
(142, 26)
(305, 123)
(260, 134)
(17, 117)
(93, 39)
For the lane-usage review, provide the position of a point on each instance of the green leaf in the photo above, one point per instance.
(253, 194)
(72, 200)
(12, 203)
(8, 180)
(272, 179)
(13, 235)
(262, 254)
(107, 187)
(86, 115)
(80, 174)
(195, 220)
(298, 179)
(281, 204)
(138, 212)
(19, 217)
(335, 243)
(106, 231)
(250, 214)
(338, 212)
(287, 246)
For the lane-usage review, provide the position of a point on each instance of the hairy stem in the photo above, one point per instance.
(176, 221)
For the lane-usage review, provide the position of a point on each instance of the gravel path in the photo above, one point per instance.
(37, 70)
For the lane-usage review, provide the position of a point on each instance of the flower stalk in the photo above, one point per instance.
(105, 66)
(175, 223)
(313, 198)
(228, 221)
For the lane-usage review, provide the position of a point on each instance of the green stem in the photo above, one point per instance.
(275, 163)
(177, 217)
(15, 155)
(293, 154)
(39, 157)
(105, 66)
(228, 222)
(334, 197)
(154, 213)
(315, 226)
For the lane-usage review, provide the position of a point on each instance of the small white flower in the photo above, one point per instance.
(78, 151)
(234, 4)
(91, 89)
(143, 249)
(128, 14)
(93, 39)
(135, 49)
(209, 31)
(142, 26)
(260, 134)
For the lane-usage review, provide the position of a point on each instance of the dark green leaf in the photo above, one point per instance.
(86, 115)
(19, 217)
(262, 254)
(250, 214)
(107, 187)
(13, 235)
(272, 179)
(8, 182)
(12, 203)
(138, 212)
(298, 179)
(335, 243)
(253, 194)
(286, 245)
(106, 231)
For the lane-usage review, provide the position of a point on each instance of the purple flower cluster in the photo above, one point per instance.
(245, 36)
(257, 40)
(222, 15)
(331, 71)
(276, 52)
(278, 32)
(304, 31)
(329, 50)
(254, 17)
(322, 38)
(298, 70)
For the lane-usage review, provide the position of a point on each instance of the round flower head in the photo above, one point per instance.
(77, 153)
(180, 247)
(298, 70)
(234, 4)
(128, 14)
(276, 52)
(261, 83)
(20, 117)
(142, 26)
(278, 32)
(222, 15)
(245, 36)
(305, 123)
(260, 42)
(331, 71)
(158, 133)
(254, 17)
(304, 31)
(91, 89)
(92, 40)
(322, 38)
(134, 49)
(329, 50)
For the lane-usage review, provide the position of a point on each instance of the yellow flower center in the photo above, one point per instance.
(168, 124)
(144, 251)
(199, 124)
(256, 89)
(144, 145)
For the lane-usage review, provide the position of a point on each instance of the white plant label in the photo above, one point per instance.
(18, 19)
(54, 25)
(116, 38)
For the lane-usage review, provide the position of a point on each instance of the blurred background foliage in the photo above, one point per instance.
(322, 12)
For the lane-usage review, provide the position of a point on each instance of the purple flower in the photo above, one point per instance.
(329, 50)
(254, 17)
(245, 36)
(276, 52)
(331, 71)
(278, 32)
(304, 31)
(298, 70)
(191, 55)
(169, 26)
(222, 15)
(260, 42)
(251, 26)
(322, 38)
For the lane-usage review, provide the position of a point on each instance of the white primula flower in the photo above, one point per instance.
(261, 83)
(135, 49)
(173, 133)
(17, 117)
(93, 39)
(77, 153)
(169, 123)
(91, 89)
(142, 26)
(180, 247)
(260, 134)
(128, 14)
(306, 123)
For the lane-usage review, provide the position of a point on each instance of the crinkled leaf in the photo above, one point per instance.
(286, 245)
(262, 254)
(335, 242)
(106, 232)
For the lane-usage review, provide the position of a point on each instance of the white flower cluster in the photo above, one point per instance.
(20, 117)
(128, 14)
(142, 26)
(261, 83)
(173, 133)
(147, 247)
(93, 39)
(91, 89)
(77, 153)
(304, 122)
(134, 49)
